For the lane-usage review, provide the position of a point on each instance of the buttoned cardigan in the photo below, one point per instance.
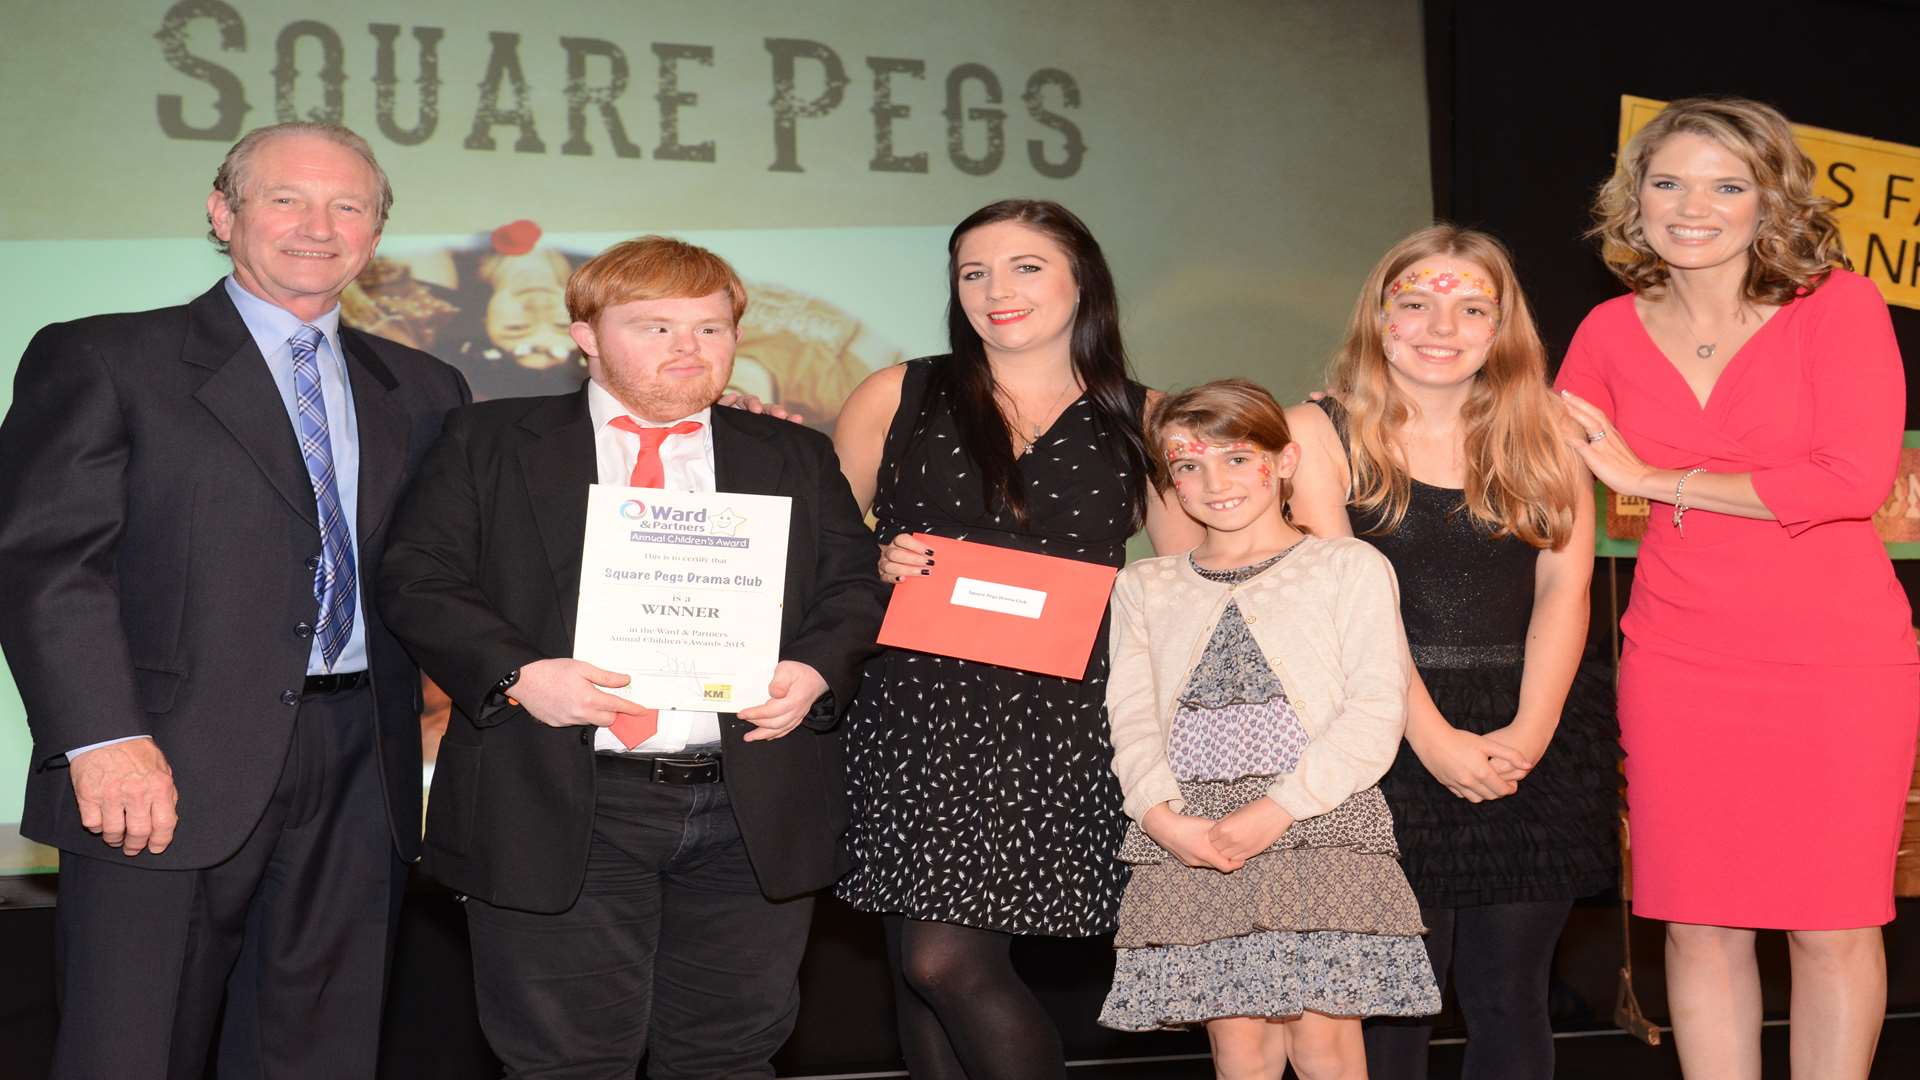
(1327, 618)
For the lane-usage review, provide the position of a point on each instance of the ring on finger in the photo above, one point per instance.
(1596, 436)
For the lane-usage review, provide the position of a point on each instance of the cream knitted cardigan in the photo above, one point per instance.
(1328, 619)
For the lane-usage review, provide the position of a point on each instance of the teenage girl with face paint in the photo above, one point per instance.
(1439, 445)
(1257, 694)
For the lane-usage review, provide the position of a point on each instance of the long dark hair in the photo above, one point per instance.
(1099, 361)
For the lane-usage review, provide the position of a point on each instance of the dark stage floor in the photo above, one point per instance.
(845, 1028)
(1600, 1055)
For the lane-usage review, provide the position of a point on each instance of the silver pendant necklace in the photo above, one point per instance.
(1704, 349)
(1033, 440)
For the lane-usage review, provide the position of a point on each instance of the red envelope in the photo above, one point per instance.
(996, 605)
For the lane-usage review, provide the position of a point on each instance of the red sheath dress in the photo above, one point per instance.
(1769, 689)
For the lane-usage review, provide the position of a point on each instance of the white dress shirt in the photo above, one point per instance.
(686, 461)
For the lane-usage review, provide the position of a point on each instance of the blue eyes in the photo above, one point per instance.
(1724, 189)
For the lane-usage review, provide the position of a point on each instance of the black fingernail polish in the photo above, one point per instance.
(925, 572)
(929, 562)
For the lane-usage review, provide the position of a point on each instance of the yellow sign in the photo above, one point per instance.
(1876, 185)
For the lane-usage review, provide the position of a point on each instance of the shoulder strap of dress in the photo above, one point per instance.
(1337, 413)
(908, 421)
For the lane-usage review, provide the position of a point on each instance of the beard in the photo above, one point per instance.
(660, 401)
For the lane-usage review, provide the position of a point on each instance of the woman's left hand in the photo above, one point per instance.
(734, 399)
(1251, 829)
(1592, 436)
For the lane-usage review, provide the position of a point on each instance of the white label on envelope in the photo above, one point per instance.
(994, 596)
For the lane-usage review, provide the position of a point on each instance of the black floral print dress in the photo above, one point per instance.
(982, 795)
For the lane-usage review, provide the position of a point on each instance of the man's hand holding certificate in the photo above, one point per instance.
(562, 692)
(790, 696)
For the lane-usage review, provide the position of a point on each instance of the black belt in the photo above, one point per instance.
(667, 769)
(333, 684)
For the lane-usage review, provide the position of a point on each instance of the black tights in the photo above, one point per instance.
(963, 1012)
(1500, 956)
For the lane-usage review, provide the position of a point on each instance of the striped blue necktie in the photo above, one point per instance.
(333, 582)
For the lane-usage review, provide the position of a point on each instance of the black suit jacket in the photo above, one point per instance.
(483, 577)
(156, 523)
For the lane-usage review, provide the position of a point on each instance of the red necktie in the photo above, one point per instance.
(647, 470)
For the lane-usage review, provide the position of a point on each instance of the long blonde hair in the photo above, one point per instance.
(1797, 243)
(1521, 479)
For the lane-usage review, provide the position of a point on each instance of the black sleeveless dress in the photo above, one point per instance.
(1466, 599)
(982, 795)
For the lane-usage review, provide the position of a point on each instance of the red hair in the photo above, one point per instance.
(650, 268)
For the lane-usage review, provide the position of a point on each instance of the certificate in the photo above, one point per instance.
(1038, 613)
(682, 592)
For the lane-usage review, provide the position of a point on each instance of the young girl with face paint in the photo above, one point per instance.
(1439, 445)
(1257, 694)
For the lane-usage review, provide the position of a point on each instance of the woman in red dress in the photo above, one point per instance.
(1751, 390)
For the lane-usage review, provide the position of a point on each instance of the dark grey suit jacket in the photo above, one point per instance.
(156, 527)
(483, 577)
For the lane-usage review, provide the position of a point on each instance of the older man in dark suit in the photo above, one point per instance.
(653, 899)
(193, 505)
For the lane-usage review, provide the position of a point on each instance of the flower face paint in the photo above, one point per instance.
(1440, 318)
(1223, 485)
(1443, 277)
(1187, 446)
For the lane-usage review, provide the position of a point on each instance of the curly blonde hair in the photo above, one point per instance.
(1797, 242)
(1521, 478)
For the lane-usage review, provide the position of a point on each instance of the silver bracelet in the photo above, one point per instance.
(1680, 506)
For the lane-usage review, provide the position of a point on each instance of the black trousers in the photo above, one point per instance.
(670, 952)
(292, 933)
(1500, 957)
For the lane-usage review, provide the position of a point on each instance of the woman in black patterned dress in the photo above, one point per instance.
(983, 805)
